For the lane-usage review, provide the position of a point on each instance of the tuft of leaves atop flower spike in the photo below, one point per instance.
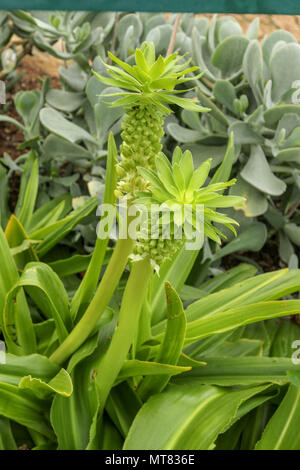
(150, 81)
(181, 186)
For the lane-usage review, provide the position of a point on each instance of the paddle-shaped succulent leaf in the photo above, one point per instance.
(149, 87)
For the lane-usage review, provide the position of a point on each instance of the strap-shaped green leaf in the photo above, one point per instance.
(53, 233)
(4, 193)
(281, 431)
(50, 212)
(48, 292)
(135, 368)
(268, 286)
(172, 344)
(175, 271)
(7, 440)
(90, 280)
(186, 417)
(16, 235)
(37, 373)
(61, 384)
(27, 410)
(234, 371)
(8, 274)
(239, 316)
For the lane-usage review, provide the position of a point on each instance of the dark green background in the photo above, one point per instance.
(288, 7)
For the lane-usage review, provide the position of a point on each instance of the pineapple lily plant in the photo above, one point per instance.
(149, 86)
(169, 364)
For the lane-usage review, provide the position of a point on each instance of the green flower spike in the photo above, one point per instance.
(149, 87)
(180, 185)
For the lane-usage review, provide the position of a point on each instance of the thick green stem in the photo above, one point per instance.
(97, 306)
(124, 335)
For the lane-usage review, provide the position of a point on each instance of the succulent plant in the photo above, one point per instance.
(180, 189)
(9, 56)
(255, 96)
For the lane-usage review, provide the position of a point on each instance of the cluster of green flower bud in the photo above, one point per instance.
(157, 241)
(142, 132)
(159, 249)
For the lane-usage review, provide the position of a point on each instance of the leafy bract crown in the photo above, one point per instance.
(150, 81)
(180, 184)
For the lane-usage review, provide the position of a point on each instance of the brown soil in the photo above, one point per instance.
(40, 64)
(11, 136)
